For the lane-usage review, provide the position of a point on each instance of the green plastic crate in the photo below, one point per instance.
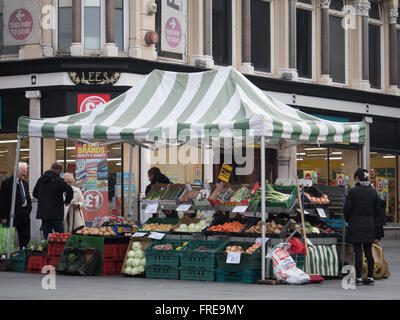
(247, 261)
(162, 272)
(201, 274)
(19, 261)
(200, 259)
(172, 221)
(163, 257)
(292, 190)
(241, 276)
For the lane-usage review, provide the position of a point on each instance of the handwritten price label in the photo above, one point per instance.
(233, 257)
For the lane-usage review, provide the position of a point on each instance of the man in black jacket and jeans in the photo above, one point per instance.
(49, 191)
(23, 204)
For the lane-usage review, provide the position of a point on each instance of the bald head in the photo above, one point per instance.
(22, 170)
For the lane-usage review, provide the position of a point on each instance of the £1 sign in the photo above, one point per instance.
(93, 200)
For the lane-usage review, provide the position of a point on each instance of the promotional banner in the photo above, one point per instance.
(311, 175)
(173, 26)
(382, 188)
(92, 179)
(342, 179)
(21, 22)
(91, 165)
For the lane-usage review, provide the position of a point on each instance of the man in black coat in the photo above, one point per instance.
(23, 205)
(49, 191)
(361, 208)
(155, 176)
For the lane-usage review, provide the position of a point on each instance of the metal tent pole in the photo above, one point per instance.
(263, 206)
(130, 180)
(14, 194)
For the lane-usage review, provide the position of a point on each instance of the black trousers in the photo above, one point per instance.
(24, 233)
(358, 247)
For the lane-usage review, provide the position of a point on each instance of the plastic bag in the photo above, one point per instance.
(297, 246)
(285, 268)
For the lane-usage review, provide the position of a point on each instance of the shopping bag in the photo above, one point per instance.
(4, 235)
(378, 254)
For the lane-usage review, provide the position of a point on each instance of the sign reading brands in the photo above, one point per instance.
(21, 22)
(174, 26)
(94, 77)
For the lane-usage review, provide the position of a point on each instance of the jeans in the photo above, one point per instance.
(49, 225)
(358, 247)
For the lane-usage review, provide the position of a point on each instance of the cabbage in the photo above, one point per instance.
(138, 254)
(183, 226)
(140, 269)
(127, 270)
(134, 271)
(129, 262)
(143, 262)
(130, 254)
(136, 262)
(136, 245)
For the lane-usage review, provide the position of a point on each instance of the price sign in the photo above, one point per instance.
(321, 212)
(240, 209)
(305, 211)
(259, 240)
(233, 257)
(225, 173)
(183, 207)
(138, 234)
(157, 235)
(151, 208)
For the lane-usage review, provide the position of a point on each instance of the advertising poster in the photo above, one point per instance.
(382, 188)
(342, 179)
(311, 175)
(174, 26)
(91, 165)
(92, 179)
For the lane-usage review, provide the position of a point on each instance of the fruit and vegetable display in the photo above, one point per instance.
(234, 226)
(270, 228)
(59, 237)
(203, 194)
(317, 200)
(172, 194)
(325, 228)
(38, 246)
(254, 247)
(135, 261)
(166, 246)
(157, 227)
(310, 229)
(240, 249)
(182, 246)
(103, 232)
(272, 195)
(240, 195)
(156, 194)
(194, 227)
(226, 195)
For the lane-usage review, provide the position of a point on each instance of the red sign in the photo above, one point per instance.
(93, 200)
(20, 24)
(88, 102)
(379, 185)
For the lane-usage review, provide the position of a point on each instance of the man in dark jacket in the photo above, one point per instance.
(23, 205)
(155, 176)
(49, 191)
(361, 207)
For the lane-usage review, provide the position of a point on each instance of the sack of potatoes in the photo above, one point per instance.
(103, 231)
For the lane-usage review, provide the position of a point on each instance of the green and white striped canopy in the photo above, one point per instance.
(178, 106)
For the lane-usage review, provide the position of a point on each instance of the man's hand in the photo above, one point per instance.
(4, 221)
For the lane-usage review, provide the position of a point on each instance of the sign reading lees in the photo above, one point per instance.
(94, 77)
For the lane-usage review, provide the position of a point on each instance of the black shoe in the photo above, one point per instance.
(359, 282)
(369, 281)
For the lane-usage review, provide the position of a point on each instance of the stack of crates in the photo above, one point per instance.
(199, 264)
(164, 264)
(35, 264)
(54, 250)
(113, 258)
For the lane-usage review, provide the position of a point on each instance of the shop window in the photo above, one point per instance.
(342, 165)
(305, 1)
(222, 32)
(374, 12)
(337, 55)
(8, 148)
(261, 35)
(374, 46)
(64, 25)
(5, 49)
(92, 24)
(383, 177)
(304, 42)
(398, 54)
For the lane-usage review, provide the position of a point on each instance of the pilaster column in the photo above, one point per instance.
(35, 153)
(207, 60)
(325, 76)
(393, 74)
(76, 46)
(110, 48)
(246, 66)
(359, 39)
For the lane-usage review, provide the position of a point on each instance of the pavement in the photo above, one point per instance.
(25, 286)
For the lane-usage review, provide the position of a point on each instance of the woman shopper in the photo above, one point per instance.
(361, 207)
(74, 216)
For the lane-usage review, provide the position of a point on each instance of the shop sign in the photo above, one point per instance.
(88, 102)
(197, 174)
(225, 173)
(21, 22)
(94, 77)
(174, 26)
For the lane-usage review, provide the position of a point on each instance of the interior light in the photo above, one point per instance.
(336, 152)
(389, 157)
(334, 158)
(300, 159)
(8, 141)
(313, 149)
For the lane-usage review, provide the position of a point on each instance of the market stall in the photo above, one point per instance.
(172, 109)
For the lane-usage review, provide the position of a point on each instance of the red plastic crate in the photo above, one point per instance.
(111, 268)
(111, 252)
(122, 248)
(52, 261)
(55, 249)
(35, 264)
